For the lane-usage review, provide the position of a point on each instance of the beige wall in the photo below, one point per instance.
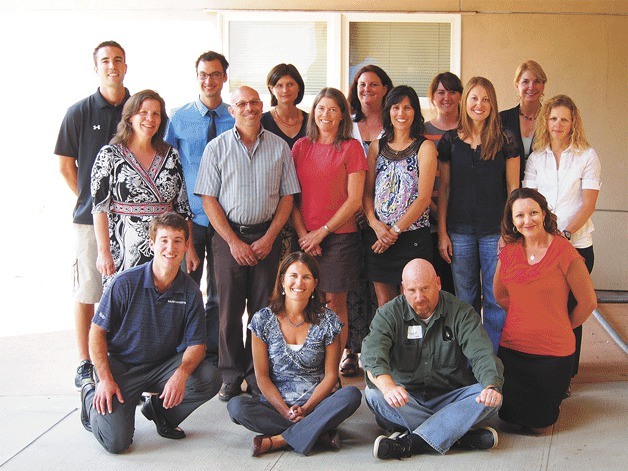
(582, 46)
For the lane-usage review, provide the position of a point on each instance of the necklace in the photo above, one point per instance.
(532, 258)
(529, 118)
(284, 122)
(297, 325)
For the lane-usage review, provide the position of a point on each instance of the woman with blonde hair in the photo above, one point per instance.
(530, 80)
(566, 170)
(479, 167)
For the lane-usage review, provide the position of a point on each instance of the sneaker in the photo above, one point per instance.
(84, 373)
(396, 446)
(483, 438)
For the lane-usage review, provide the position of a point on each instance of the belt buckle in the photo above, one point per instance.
(244, 229)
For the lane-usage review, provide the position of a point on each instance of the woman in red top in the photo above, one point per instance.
(331, 168)
(536, 270)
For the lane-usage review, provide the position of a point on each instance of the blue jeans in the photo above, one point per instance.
(440, 421)
(474, 255)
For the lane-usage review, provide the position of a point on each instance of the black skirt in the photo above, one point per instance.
(388, 266)
(534, 387)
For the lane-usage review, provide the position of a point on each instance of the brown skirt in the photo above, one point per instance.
(339, 263)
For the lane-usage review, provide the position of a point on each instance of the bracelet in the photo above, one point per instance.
(495, 388)
(326, 227)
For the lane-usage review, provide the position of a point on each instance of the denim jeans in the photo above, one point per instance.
(475, 255)
(440, 421)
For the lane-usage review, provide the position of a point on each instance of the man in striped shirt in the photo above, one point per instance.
(247, 181)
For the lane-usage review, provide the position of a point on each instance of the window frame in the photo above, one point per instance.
(338, 29)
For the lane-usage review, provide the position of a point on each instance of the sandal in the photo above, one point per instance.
(349, 366)
(330, 440)
(258, 441)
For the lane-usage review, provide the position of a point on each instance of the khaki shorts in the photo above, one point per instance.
(87, 278)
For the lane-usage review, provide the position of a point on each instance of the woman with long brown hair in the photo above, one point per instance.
(479, 167)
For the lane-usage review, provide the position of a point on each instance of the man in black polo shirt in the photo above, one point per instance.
(89, 125)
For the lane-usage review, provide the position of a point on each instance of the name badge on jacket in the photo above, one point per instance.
(415, 332)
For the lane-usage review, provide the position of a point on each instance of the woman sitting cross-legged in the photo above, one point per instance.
(296, 352)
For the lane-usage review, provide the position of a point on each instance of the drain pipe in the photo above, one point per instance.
(612, 332)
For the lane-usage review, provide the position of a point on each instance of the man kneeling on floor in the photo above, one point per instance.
(417, 358)
(149, 335)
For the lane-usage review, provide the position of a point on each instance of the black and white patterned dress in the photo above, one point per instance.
(132, 195)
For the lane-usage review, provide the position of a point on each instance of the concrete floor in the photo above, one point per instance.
(41, 429)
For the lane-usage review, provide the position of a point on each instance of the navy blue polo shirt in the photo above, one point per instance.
(477, 188)
(146, 326)
(87, 127)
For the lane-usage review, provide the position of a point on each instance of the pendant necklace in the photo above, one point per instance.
(297, 325)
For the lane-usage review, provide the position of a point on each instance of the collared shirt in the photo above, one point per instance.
(146, 326)
(87, 126)
(247, 184)
(187, 132)
(430, 359)
(562, 187)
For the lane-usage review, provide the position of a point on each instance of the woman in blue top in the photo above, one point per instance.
(479, 167)
(296, 351)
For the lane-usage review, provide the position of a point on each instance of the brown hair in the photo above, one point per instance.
(509, 233)
(354, 100)
(577, 139)
(282, 70)
(169, 220)
(314, 306)
(492, 137)
(132, 107)
(450, 82)
(108, 44)
(345, 130)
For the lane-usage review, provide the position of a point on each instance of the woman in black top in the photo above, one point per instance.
(530, 82)
(479, 167)
(286, 89)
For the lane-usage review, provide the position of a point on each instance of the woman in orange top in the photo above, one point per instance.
(536, 270)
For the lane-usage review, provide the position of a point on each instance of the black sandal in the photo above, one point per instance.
(349, 366)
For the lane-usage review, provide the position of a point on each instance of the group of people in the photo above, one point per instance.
(292, 216)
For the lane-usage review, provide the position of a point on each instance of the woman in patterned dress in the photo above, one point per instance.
(399, 183)
(296, 351)
(134, 178)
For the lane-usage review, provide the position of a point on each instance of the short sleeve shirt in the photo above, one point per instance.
(296, 373)
(88, 125)
(146, 326)
(323, 172)
(477, 188)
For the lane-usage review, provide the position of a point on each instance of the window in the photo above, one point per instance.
(328, 48)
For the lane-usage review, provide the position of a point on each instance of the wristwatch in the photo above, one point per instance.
(396, 229)
(495, 388)
(567, 234)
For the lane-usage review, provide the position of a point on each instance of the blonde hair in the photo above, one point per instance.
(491, 138)
(577, 139)
(533, 67)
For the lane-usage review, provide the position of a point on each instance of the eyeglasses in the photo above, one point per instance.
(202, 76)
(242, 104)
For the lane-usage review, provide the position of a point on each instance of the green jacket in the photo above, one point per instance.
(436, 363)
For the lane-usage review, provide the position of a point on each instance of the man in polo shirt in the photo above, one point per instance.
(89, 125)
(149, 335)
(247, 181)
(430, 369)
(189, 130)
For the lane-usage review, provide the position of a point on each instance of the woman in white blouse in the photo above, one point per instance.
(566, 170)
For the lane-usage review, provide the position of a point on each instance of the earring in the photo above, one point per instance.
(283, 293)
(312, 296)
(514, 229)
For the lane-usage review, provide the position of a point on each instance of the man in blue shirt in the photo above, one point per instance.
(149, 335)
(189, 130)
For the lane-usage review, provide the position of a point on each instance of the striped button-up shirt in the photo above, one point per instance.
(247, 184)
